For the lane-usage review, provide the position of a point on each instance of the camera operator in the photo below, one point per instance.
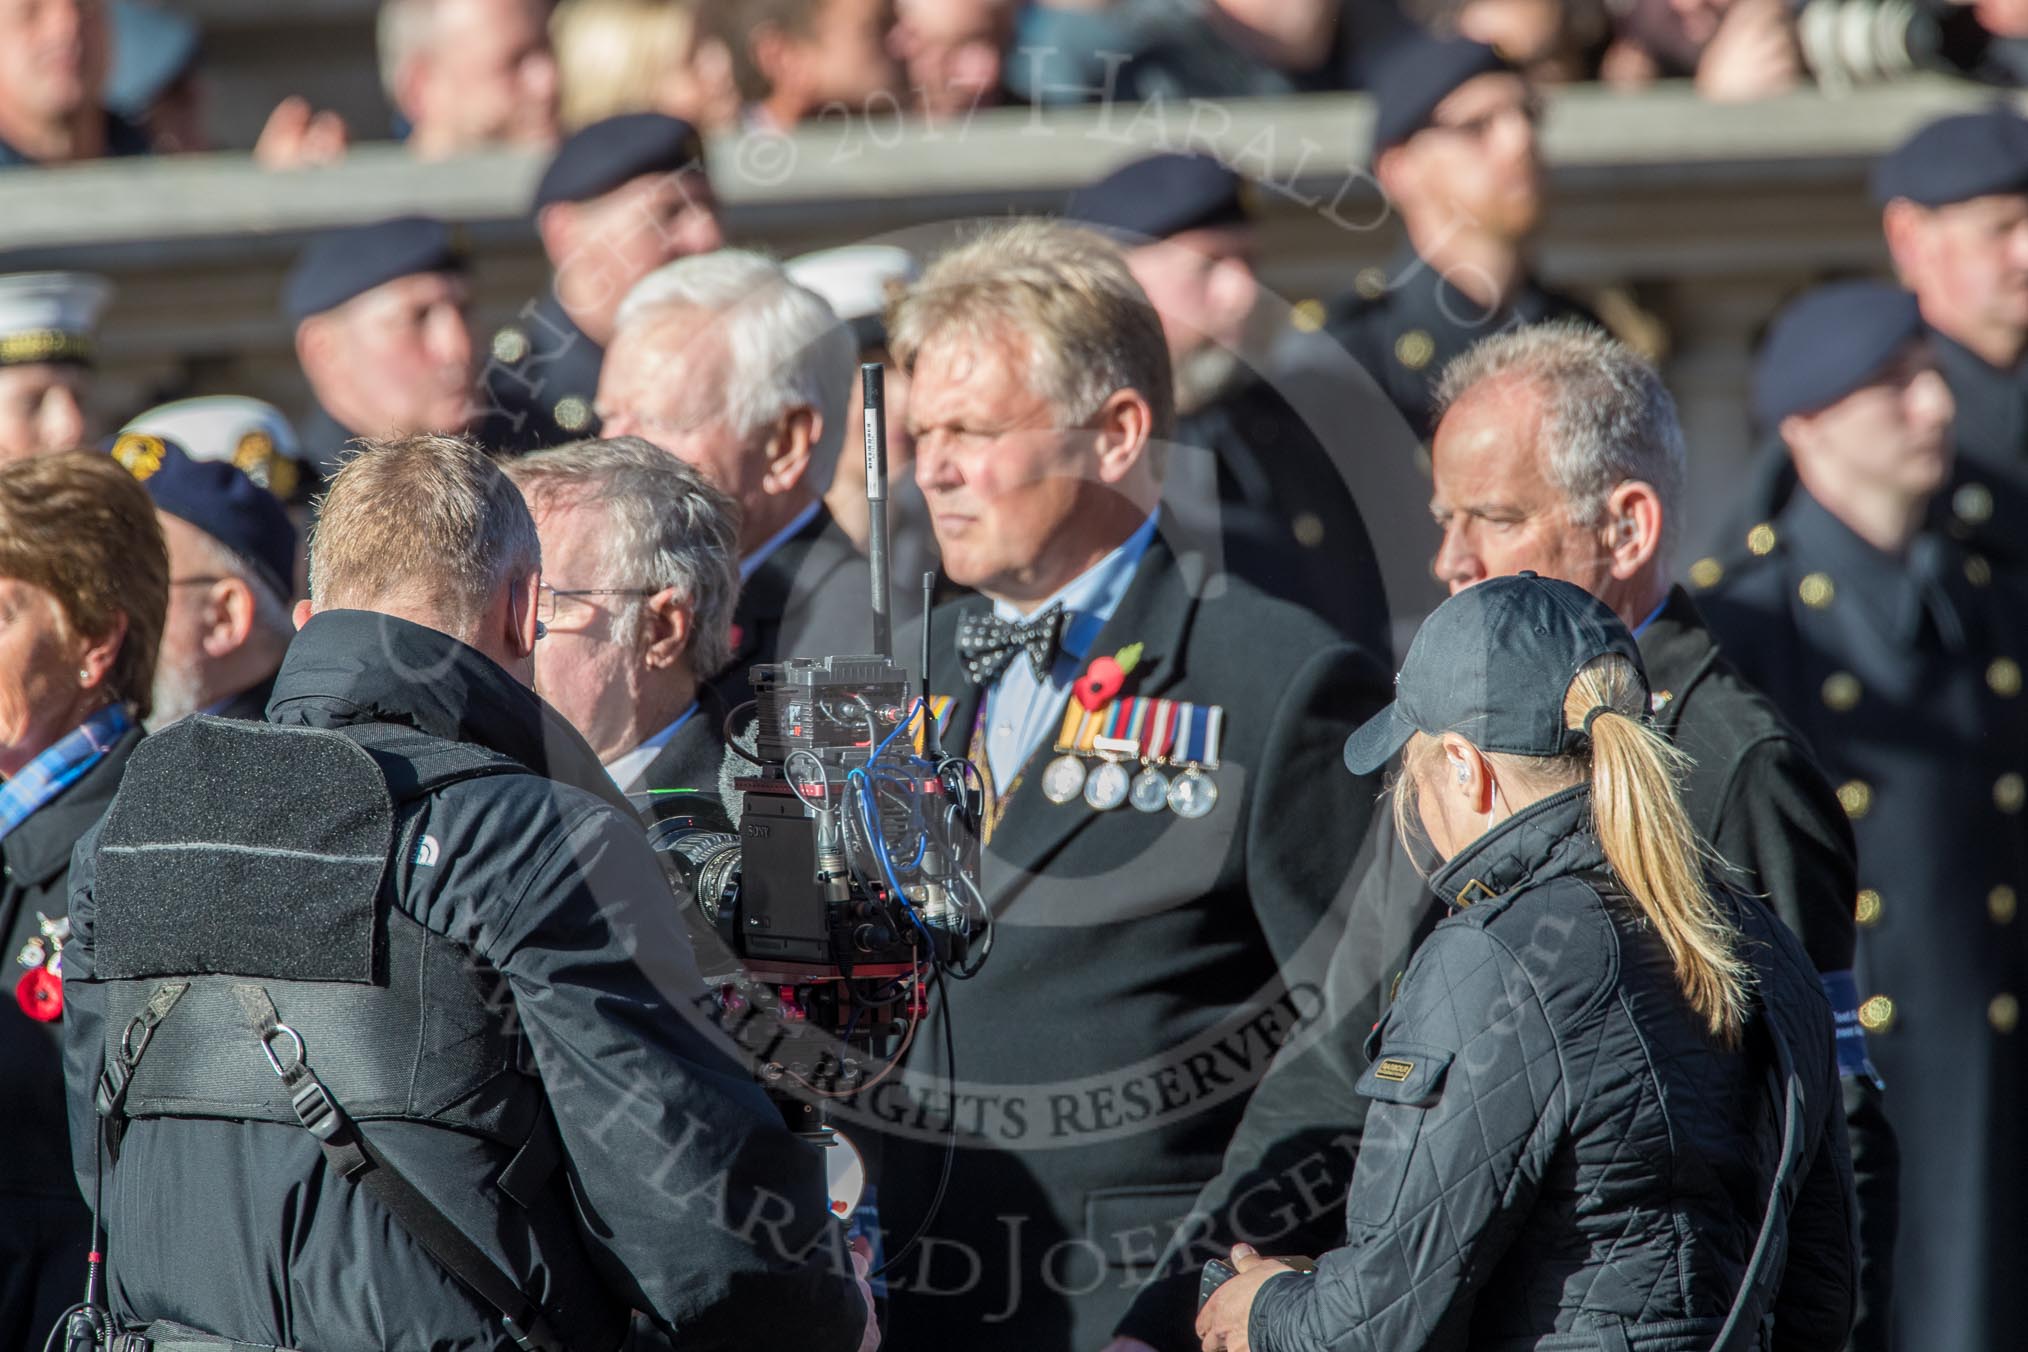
(641, 568)
(443, 1091)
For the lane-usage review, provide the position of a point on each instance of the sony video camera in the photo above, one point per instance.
(848, 882)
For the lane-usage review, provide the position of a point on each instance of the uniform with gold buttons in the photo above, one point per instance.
(1404, 322)
(1904, 673)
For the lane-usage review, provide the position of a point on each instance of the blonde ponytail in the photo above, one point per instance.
(1650, 844)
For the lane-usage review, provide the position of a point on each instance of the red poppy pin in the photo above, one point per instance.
(40, 995)
(1104, 677)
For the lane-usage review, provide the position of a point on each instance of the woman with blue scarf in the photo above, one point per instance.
(84, 582)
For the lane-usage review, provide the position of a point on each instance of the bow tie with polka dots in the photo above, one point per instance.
(988, 643)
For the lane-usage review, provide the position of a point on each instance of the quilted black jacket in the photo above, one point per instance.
(1557, 1155)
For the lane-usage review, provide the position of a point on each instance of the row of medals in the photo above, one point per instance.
(1107, 785)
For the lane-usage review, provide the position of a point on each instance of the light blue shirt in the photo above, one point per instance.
(1022, 711)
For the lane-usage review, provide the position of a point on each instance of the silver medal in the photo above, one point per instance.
(1151, 790)
(1193, 795)
(1063, 779)
(1107, 787)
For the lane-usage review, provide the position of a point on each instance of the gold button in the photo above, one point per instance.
(1761, 539)
(2003, 674)
(1973, 503)
(1856, 797)
(1705, 573)
(1877, 1014)
(1309, 529)
(2000, 904)
(572, 413)
(1307, 316)
(1371, 283)
(510, 345)
(1816, 590)
(1414, 349)
(1841, 691)
(1867, 911)
(1977, 571)
(2004, 1011)
(2009, 792)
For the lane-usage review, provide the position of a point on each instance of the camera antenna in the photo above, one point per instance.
(873, 386)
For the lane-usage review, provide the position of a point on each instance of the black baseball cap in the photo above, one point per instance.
(1493, 663)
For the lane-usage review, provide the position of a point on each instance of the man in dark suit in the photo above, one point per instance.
(232, 565)
(1592, 499)
(1898, 651)
(1166, 820)
(619, 199)
(728, 365)
(640, 568)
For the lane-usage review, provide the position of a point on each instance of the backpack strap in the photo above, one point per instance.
(1752, 1308)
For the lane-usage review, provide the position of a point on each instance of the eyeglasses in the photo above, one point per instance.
(547, 597)
(200, 580)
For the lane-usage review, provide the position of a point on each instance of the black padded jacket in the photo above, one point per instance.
(1558, 1155)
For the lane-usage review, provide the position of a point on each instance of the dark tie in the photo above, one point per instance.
(988, 643)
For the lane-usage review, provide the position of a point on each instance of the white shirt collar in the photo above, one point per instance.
(760, 556)
(629, 766)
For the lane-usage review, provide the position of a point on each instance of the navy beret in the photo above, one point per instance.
(1160, 196)
(1828, 344)
(1957, 158)
(340, 264)
(1415, 73)
(219, 499)
(598, 158)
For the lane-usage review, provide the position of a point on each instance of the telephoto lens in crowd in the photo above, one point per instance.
(1455, 152)
(1281, 499)
(54, 57)
(1165, 820)
(378, 1031)
(728, 365)
(83, 578)
(381, 334)
(1954, 211)
(232, 563)
(640, 558)
(1558, 451)
(619, 199)
(465, 75)
(1597, 1018)
(48, 343)
(1898, 651)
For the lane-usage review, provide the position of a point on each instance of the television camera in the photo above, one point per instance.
(847, 885)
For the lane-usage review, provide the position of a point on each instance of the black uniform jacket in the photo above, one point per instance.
(1905, 675)
(812, 597)
(1132, 994)
(1405, 322)
(44, 1214)
(1557, 1144)
(540, 380)
(239, 1229)
(1286, 513)
(1754, 793)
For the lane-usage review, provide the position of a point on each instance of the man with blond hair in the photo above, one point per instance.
(1166, 817)
(399, 1084)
